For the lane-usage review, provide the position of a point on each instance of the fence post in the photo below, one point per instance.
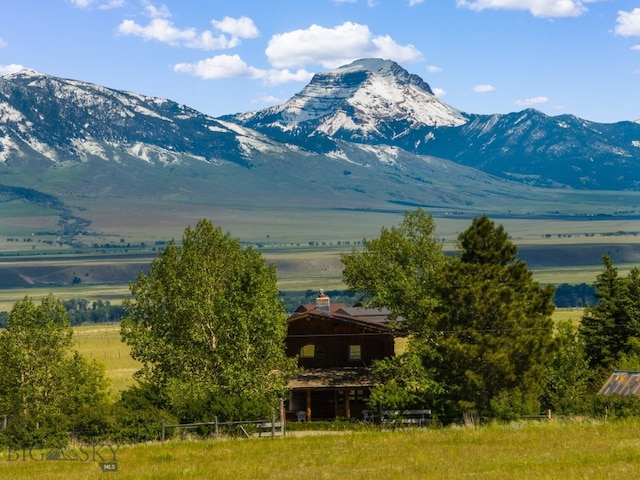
(162, 421)
(273, 426)
(216, 425)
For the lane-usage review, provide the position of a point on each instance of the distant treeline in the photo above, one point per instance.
(566, 296)
(81, 312)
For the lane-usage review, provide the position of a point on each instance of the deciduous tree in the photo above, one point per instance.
(208, 327)
(43, 381)
(399, 270)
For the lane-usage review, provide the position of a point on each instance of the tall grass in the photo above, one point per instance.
(549, 450)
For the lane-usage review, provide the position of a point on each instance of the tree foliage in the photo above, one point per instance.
(43, 381)
(208, 327)
(611, 329)
(567, 385)
(399, 270)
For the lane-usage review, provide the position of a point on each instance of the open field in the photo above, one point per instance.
(107, 276)
(549, 450)
(102, 343)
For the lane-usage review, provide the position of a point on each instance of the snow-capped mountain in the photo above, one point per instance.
(367, 100)
(375, 101)
(71, 121)
(369, 119)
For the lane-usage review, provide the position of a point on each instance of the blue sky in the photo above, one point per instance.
(580, 57)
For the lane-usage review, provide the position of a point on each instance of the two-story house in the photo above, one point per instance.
(335, 346)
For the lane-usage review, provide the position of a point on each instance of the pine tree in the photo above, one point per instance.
(494, 333)
(611, 328)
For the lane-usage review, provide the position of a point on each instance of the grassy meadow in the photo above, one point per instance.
(103, 344)
(547, 450)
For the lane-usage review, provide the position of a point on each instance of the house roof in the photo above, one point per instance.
(377, 315)
(307, 307)
(330, 378)
(361, 322)
(622, 382)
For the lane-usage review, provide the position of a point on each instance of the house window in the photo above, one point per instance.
(355, 352)
(308, 351)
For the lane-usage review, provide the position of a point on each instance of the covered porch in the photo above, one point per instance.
(327, 394)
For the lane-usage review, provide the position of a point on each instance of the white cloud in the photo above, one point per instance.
(537, 8)
(242, 27)
(332, 47)
(635, 47)
(413, 3)
(483, 88)
(81, 3)
(527, 102)
(277, 77)
(270, 99)
(162, 30)
(628, 23)
(433, 69)
(439, 92)
(3, 43)
(12, 68)
(232, 66)
(159, 29)
(156, 12)
(104, 5)
(220, 66)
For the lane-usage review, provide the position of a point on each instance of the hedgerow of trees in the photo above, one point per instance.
(481, 339)
(478, 322)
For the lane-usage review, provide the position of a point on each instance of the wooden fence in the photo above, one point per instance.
(271, 427)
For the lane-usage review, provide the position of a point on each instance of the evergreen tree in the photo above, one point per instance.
(611, 328)
(209, 329)
(494, 332)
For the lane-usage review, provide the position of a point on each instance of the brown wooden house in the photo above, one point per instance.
(335, 346)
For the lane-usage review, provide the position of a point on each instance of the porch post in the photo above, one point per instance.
(308, 405)
(347, 406)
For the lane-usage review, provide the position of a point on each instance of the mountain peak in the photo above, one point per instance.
(384, 68)
(23, 73)
(366, 99)
(374, 65)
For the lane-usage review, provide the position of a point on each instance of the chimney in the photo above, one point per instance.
(323, 302)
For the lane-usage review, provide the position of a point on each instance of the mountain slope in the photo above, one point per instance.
(71, 121)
